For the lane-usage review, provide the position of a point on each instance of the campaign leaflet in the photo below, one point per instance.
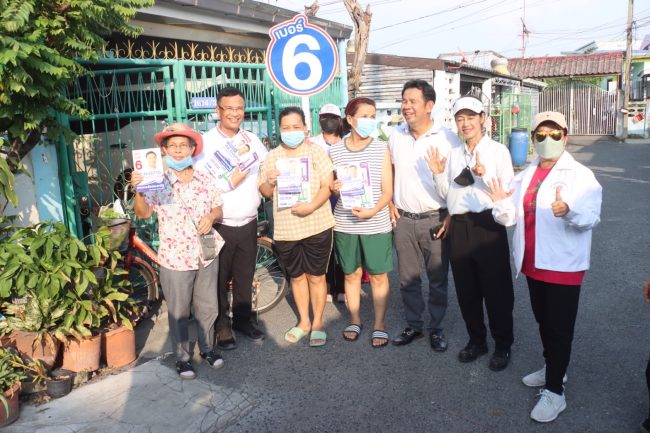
(229, 155)
(356, 190)
(149, 163)
(293, 181)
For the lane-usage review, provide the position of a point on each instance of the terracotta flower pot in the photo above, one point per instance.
(118, 347)
(24, 342)
(11, 399)
(80, 355)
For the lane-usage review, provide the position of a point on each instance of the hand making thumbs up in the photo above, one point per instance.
(478, 169)
(559, 207)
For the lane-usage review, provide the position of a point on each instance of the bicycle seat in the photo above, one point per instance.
(262, 227)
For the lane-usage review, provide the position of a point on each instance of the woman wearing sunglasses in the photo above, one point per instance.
(478, 253)
(555, 203)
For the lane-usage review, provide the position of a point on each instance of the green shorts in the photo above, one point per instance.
(375, 252)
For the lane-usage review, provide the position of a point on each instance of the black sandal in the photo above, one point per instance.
(378, 334)
(352, 327)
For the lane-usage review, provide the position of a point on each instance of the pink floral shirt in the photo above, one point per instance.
(179, 207)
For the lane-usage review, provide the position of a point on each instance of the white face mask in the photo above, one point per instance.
(549, 148)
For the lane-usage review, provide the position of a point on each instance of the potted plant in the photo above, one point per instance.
(10, 376)
(36, 325)
(36, 375)
(57, 384)
(105, 300)
(39, 265)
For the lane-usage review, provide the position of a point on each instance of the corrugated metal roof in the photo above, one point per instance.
(567, 66)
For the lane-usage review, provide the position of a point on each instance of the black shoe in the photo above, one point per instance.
(500, 359)
(250, 331)
(213, 359)
(407, 336)
(226, 344)
(438, 341)
(185, 370)
(472, 351)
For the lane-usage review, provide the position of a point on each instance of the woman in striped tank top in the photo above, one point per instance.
(363, 231)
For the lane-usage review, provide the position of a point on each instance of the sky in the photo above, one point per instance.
(427, 28)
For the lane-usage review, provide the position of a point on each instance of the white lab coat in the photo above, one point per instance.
(561, 244)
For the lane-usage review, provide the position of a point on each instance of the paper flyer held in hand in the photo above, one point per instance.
(229, 155)
(293, 181)
(149, 163)
(356, 190)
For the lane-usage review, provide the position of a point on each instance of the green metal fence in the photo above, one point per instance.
(129, 100)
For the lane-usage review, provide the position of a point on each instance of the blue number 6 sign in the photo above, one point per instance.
(301, 58)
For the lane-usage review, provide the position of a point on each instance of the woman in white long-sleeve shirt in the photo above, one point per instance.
(555, 203)
(479, 254)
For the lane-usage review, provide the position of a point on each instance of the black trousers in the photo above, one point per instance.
(555, 307)
(335, 277)
(236, 263)
(480, 263)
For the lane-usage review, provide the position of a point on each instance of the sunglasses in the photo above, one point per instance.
(555, 134)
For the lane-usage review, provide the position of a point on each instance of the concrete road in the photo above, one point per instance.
(351, 387)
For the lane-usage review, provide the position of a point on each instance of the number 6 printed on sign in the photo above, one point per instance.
(302, 59)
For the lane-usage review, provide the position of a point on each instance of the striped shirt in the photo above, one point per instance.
(374, 155)
(290, 227)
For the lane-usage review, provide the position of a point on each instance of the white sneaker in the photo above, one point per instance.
(549, 406)
(538, 378)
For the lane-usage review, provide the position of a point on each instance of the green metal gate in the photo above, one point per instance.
(130, 99)
(514, 110)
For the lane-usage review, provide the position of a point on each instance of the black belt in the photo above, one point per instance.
(420, 216)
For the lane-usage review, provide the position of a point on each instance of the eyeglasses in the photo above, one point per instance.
(555, 134)
(232, 109)
(183, 146)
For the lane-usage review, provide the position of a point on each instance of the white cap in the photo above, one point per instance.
(468, 103)
(330, 109)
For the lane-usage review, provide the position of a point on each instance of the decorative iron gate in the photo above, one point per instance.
(589, 110)
(129, 100)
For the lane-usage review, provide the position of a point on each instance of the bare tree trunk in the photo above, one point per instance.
(361, 20)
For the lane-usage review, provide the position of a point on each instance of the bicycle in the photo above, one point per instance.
(270, 283)
(140, 271)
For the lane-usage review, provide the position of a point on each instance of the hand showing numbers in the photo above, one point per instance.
(434, 161)
(496, 191)
(478, 169)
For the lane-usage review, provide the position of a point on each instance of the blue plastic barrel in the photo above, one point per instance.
(519, 146)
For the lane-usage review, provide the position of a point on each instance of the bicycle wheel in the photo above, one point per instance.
(269, 282)
(143, 287)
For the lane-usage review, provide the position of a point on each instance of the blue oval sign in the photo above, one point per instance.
(301, 58)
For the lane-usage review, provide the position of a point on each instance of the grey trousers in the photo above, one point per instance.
(414, 247)
(183, 289)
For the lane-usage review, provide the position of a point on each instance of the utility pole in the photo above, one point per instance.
(524, 33)
(627, 76)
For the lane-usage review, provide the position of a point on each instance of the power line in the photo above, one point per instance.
(455, 8)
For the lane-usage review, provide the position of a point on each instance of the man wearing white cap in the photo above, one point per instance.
(331, 126)
(479, 253)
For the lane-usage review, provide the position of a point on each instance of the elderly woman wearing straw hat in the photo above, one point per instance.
(555, 204)
(187, 208)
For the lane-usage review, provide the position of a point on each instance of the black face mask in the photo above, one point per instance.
(465, 178)
(329, 125)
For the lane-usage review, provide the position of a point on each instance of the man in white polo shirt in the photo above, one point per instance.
(419, 214)
(238, 228)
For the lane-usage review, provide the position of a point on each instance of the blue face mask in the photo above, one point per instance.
(178, 165)
(293, 139)
(365, 126)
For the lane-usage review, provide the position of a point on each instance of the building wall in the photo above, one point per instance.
(384, 83)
